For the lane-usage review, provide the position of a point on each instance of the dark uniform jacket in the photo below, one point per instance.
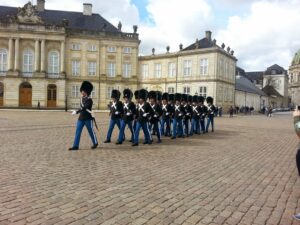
(86, 104)
(188, 111)
(196, 112)
(203, 110)
(129, 110)
(116, 110)
(144, 112)
(166, 111)
(156, 113)
(178, 111)
(211, 110)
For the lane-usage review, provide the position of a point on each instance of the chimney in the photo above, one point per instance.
(40, 5)
(87, 9)
(208, 35)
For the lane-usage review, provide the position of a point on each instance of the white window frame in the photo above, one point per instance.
(3, 61)
(111, 49)
(127, 70)
(53, 62)
(172, 69)
(111, 69)
(203, 91)
(76, 67)
(203, 66)
(28, 61)
(187, 67)
(75, 91)
(187, 90)
(145, 70)
(127, 50)
(171, 90)
(92, 68)
(76, 46)
(157, 70)
(92, 48)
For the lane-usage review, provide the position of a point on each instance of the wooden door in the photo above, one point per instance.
(51, 95)
(25, 95)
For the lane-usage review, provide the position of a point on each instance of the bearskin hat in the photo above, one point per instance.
(178, 97)
(184, 97)
(165, 96)
(159, 95)
(115, 94)
(87, 87)
(171, 97)
(209, 100)
(201, 99)
(152, 95)
(190, 98)
(195, 98)
(143, 94)
(127, 93)
(136, 94)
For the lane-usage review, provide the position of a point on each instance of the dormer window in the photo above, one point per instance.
(273, 72)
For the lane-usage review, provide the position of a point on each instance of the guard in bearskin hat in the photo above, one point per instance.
(136, 97)
(166, 116)
(156, 114)
(172, 103)
(178, 114)
(143, 114)
(210, 113)
(195, 116)
(86, 117)
(187, 115)
(129, 112)
(116, 113)
(203, 114)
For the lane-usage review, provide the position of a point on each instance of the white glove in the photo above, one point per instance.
(167, 114)
(198, 114)
(180, 114)
(74, 113)
(128, 114)
(145, 115)
(117, 113)
(155, 116)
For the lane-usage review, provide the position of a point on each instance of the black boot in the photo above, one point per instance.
(94, 146)
(73, 149)
(107, 141)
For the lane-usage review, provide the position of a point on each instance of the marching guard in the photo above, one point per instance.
(166, 116)
(187, 114)
(86, 117)
(177, 117)
(156, 114)
(203, 110)
(195, 116)
(210, 113)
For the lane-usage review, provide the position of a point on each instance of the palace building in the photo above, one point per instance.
(46, 54)
(294, 80)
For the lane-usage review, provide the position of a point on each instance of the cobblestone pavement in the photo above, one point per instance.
(244, 173)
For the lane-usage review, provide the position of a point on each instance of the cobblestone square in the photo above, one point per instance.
(244, 173)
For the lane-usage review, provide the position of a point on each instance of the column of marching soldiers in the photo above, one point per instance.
(159, 114)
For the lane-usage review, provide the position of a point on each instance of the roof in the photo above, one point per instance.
(76, 20)
(203, 43)
(270, 91)
(245, 85)
(256, 75)
(240, 71)
(275, 70)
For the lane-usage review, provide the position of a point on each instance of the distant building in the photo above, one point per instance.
(294, 80)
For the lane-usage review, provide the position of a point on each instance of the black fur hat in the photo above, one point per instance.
(159, 95)
(184, 97)
(127, 93)
(178, 97)
(136, 94)
(87, 87)
(201, 99)
(209, 100)
(115, 94)
(165, 96)
(152, 95)
(143, 94)
(190, 98)
(195, 98)
(171, 97)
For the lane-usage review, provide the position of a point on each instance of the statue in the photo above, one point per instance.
(28, 14)
(135, 28)
(120, 26)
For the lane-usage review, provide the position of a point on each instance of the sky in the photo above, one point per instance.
(261, 32)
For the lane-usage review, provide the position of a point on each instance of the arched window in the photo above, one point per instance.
(53, 62)
(28, 61)
(3, 61)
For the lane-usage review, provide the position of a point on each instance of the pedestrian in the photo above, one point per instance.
(296, 116)
(85, 116)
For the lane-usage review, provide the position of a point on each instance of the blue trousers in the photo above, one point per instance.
(195, 126)
(186, 127)
(202, 124)
(123, 124)
(112, 124)
(177, 127)
(210, 120)
(167, 123)
(145, 127)
(79, 127)
(156, 128)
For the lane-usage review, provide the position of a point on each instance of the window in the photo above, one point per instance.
(203, 66)
(75, 68)
(145, 70)
(75, 46)
(75, 91)
(108, 92)
(126, 70)
(3, 61)
(92, 48)
(273, 72)
(28, 62)
(111, 49)
(157, 70)
(187, 67)
(172, 69)
(171, 90)
(111, 69)
(186, 90)
(93, 93)
(92, 68)
(53, 62)
(203, 91)
(127, 50)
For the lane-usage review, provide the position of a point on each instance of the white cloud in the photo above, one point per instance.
(267, 35)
